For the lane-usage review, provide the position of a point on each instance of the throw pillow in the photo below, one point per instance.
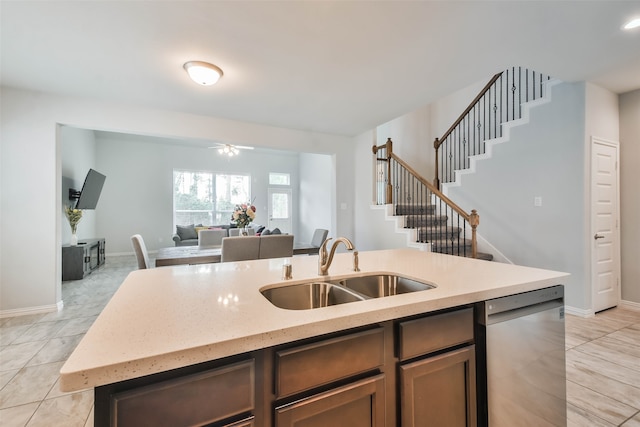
(276, 231)
(186, 232)
(260, 230)
(265, 232)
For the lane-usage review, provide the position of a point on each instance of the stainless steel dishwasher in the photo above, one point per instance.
(524, 383)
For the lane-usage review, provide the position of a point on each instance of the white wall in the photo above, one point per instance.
(78, 155)
(412, 140)
(31, 206)
(630, 194)
(138, 194)
(31, 190)
(544, 158)
(445, 111)
(316, 185)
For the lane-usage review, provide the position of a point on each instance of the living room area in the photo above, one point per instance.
(140, 188)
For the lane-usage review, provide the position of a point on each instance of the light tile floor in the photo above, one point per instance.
(34, 347)
(603, 360)
(603, 369)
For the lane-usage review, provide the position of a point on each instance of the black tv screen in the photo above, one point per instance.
(91, 190)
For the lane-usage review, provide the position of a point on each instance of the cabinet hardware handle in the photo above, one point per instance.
(598, 236)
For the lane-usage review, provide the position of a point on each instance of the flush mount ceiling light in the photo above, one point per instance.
(203, 73)
(635, 23)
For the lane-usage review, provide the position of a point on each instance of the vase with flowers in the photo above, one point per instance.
(73, 216)
(242, 215)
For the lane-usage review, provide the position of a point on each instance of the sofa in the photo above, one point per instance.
(256, 247)
(187, 235)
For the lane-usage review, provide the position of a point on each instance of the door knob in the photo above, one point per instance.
(598, 236)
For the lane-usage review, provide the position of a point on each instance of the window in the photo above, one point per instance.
(279, 178)
(207, 198)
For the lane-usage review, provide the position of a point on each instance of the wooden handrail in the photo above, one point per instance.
(432, 187)
(439, 141)
(473, 218)
(484, 90)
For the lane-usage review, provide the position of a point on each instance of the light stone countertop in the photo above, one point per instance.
(171, 317)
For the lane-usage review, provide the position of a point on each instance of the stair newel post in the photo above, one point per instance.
(375, 173)
(436, 181)
(389, 184)
(474, 221)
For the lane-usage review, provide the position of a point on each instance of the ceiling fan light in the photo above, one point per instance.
(203, 73)
(228, 150)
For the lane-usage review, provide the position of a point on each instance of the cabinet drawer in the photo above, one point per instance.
(433, 333)
(196, 399)
(247, 422)
(308, 366)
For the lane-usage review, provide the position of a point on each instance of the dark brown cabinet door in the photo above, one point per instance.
(439, 390)
(360, 404)
(192, 400)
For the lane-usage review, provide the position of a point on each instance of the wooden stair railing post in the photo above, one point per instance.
(436, 181)
(389, 185)
(474, 221)
(375, 174)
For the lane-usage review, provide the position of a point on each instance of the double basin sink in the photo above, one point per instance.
(305, 296)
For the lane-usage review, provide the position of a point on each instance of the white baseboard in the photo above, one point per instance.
(580, 312)
(627, 305)
(630, 305)
(32, 310)
(108, 254)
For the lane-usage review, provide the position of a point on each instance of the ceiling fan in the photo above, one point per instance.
(230, 149)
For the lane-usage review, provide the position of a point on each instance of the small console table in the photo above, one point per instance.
(80, 260)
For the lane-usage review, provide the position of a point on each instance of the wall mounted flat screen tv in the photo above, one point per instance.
(90, 193)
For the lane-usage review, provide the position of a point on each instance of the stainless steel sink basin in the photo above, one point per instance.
(305, 296)
(383, 285)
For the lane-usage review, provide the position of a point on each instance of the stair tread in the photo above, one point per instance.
(430, 224)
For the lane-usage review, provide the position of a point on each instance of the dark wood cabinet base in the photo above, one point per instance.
(379, 375)
(82, 259)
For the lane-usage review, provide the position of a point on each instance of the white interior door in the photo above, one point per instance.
(280, 209)
(605, 236)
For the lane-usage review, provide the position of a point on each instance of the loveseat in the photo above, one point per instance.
(256, 247)
(187, 235)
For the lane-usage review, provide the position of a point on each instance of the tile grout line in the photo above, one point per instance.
(605, 360)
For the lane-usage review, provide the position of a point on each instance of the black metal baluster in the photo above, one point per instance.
(454, 237)
(526, 82)
(519, 92)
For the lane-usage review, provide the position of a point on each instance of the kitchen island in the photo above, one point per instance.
(209, 323)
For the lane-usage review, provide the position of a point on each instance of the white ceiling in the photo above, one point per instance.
(340, 67)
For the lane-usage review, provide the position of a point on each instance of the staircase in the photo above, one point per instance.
(435, 229)
(435, 218)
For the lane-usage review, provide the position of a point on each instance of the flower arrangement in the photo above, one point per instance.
(74, 216)
(243, 214)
